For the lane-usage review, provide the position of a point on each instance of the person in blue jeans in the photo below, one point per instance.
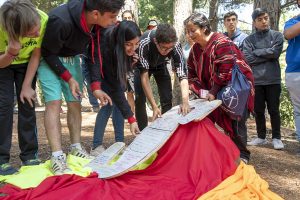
(119, 56)
(101, 122)
(87, 83)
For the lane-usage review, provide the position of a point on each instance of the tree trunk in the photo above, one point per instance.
(273, 8)
(213, 14)
(133, 6)
(182, 10)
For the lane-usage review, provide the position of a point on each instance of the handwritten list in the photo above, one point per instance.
(153, 137)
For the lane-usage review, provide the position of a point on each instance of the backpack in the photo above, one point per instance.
(235, 95)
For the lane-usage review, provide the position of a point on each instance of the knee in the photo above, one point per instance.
(53, 105)
(6, 103)
(274, 111)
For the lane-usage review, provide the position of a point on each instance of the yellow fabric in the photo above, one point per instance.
(146, 163)
(140, 166)
(28, 44)
(244, 184)
(32, 176)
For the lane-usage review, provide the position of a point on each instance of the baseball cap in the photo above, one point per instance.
(152, 23)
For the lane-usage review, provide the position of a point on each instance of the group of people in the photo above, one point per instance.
(120, 60)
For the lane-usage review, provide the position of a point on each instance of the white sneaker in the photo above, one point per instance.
(257, 141)
(97, 151)
(277, 144)
(59, 165)
(82, 153)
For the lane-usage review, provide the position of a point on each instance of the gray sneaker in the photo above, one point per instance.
(59, 165)
(82, 153)
(277, 144)
(97, 151)
(257, 141)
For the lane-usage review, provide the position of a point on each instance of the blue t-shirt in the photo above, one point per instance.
(293, 50)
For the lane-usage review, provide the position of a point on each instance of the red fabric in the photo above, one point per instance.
(196, 159)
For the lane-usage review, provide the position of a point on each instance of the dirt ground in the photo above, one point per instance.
(281, 169)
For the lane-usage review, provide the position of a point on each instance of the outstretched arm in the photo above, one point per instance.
(149, 94)
(27, 92)
(185, 106)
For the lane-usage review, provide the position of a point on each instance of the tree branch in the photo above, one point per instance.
(288, 4)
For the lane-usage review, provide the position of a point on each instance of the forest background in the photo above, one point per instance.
(176, 11)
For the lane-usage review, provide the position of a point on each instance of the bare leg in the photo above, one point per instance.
(74, 121)
(53, 125)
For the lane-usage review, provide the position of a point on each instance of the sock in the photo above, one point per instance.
(57, 154)
(76, 146)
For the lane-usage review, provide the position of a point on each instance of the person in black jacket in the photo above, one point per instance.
(262, 50)
(156, 48)
(71, 28)
(119, 44)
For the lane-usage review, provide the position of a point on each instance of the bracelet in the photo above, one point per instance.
(12, 56)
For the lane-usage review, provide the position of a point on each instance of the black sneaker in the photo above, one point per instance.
(7, 169)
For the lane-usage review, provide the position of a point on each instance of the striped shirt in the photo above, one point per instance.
(151, 59)
(210, 68)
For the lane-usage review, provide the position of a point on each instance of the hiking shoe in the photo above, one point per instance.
(82, 153)
(97, 151)
(31, 162)
(246, 161)
(277, 144)
(7, 169)
(257, 141)
(59, 165)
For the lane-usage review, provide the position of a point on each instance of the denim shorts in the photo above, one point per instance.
(53, 86)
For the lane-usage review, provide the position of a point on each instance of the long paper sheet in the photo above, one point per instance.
(153, 137)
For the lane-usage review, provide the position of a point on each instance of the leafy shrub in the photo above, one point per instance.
(286, 108)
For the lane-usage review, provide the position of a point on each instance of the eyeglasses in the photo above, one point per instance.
(165, 48)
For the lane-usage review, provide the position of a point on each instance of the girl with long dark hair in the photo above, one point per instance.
(119, 44)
